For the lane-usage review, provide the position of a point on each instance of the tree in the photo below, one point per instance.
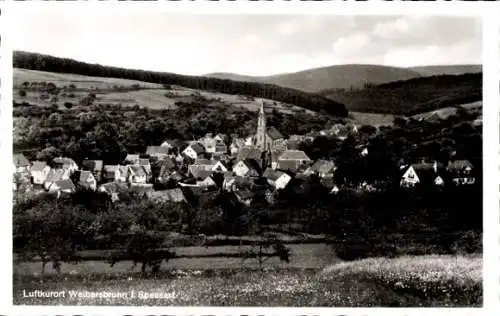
(22, 93)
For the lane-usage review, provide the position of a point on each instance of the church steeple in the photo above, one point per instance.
(261, 128)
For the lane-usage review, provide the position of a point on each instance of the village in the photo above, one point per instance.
(265, 162)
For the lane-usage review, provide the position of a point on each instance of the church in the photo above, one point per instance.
(267, 139)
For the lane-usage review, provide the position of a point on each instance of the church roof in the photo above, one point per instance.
(274, 134)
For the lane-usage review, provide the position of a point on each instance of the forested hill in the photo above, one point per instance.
(411, 96)
(314, 102)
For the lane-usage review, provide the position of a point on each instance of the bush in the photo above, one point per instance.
(68, 105)
(22, 93)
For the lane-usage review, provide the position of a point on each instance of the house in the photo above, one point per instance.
(293, 160)
(159, 152)
(278, 179)
(206, 182)
(137, 174)
(252, 153)
(112, 189)
(147, 167)
(110, 173)
(166, 168)
(172, 143)
(55, 175)
(199, 171)
(212, 165)
(86, 179)
(220, 139)
(123, 173)
(65, 163)
(330, 185)
(65, 186)
(94, 166)
(322, 168)
(131, 159)
(141, 189)
(421, 173)
(461, 172)
(208, 142)
(247, 168)
(172, 195)
(39, 171)
(194, 150)
(236, 144)
(21, 164)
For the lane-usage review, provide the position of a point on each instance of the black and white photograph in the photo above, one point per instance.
(236, 160)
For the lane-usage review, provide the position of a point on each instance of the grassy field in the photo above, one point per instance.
(149, 95)
(442, 281)
(374, 119)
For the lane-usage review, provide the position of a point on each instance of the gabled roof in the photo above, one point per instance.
(85, 176)
(157, 150)
(244, 194)
(93, 165)
(110, 168)
(173, 195)
(133, 158)
(274, 134)
(54, 175)
(425, 172)
(143, 188)
(137, 170)
(272, 175)
(112, 187)
(65, 184)
(288, 165)
(249, 153)
(198, 148)
(200, 173)
(323, 166)
(207, 162)
(20, 161)
(220, 148)
(38, 166)
(252, 164)
(144, 162)
(64, 161)
(123, 170)
(293, 155)
(175, 143)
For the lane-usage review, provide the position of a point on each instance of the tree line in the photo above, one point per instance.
(308, 101)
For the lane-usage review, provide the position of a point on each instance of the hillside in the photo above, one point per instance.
(313, 102)
(447, 70)
(339, 76)
(412, 96)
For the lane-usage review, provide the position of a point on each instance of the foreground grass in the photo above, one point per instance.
(409, 281)
(436, 280)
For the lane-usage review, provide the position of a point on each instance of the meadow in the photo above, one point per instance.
(430, 281)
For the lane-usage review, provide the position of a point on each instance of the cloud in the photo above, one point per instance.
(248, 44)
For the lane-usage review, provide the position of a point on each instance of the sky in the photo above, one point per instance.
(248, 44)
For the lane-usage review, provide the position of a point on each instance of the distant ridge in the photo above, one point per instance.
(349, 76)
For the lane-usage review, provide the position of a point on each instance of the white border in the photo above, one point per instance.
(491, 103)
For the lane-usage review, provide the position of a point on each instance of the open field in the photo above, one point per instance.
(107, 91)
(408, 281)
(374, 119)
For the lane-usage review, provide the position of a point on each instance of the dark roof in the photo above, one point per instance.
(220, 148)
(144, 188)
(272, 174)
(293, 155)
(274, 134)
(323, 166)
(249, 153)
(198, 148)
(253, 164)
(21, 161)
(92, 165)
(157, 150)
(288, 165)
(245, 194)
(425, 172)
(65, 184)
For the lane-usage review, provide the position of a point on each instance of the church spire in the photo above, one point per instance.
(261, 128)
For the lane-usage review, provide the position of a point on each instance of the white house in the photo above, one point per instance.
(137, 174)
(194, 150)
(65, 163)
(87, 180)
(247, 168)
(421, 173)
(276, 178)
(39, 171)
